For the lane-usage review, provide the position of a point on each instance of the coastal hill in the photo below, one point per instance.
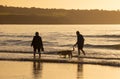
(18, 15)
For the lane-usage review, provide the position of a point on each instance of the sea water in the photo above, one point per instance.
(102, 42)
(56, 37)
(101, 46)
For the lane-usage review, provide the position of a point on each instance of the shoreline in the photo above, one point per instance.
(54, 58)
(59, 61)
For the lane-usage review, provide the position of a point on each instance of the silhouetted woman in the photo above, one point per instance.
(80, 42)
(37, 44)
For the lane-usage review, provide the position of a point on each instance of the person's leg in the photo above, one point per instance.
(83, 51)
(34, 52)
(39, 52)
(78, 52)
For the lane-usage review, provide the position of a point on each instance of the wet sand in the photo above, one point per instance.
(41, 70)
(52, 66)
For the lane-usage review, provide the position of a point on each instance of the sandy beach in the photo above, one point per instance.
(22, 66)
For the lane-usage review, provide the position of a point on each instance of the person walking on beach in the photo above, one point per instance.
(80, 42)
(37, 44)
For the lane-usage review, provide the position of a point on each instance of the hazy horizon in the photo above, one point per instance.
(64, 4)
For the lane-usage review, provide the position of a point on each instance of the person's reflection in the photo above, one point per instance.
(37, 69)
(80, 70)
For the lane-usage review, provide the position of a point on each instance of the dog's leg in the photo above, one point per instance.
(71, 55)
(65, 56)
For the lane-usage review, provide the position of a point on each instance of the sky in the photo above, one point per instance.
(65, 4)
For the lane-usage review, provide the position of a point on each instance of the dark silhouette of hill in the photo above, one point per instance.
(17, 15)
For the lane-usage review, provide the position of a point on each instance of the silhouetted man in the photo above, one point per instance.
(37, 44)
(80, 42)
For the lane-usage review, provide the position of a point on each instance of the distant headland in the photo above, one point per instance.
(18, 15)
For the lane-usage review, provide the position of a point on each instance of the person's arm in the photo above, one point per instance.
(42, 49)
(32, 41)
(42, 45)
(75, 44)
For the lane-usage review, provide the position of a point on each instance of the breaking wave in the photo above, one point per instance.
(115, 46)
(58, 34)
(104, 36)
(88, 59)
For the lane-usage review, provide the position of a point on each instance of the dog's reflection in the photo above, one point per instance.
(37, 69)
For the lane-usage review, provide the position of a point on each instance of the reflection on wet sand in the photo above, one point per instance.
(37, 69)
(80, 69)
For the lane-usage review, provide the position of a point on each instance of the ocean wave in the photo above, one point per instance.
(6, 35)
(115, 46)
(14, 42)
(104, 36)
(67, 45)
(94, 62)
(15, 51)
(59, 35)
(52, 57)
(20, 42)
